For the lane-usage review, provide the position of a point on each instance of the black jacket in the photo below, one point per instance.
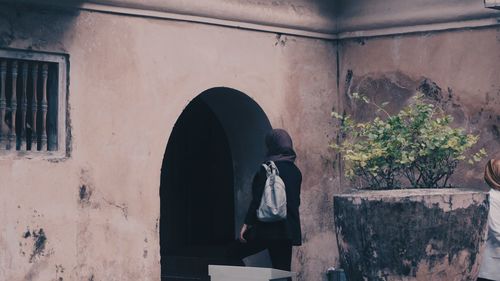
(288, 229)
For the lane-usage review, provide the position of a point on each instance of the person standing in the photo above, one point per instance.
(277, 237)
(490, 266)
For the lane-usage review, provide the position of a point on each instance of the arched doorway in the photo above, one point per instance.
(211, 156)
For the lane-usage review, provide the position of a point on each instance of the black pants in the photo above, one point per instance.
(483, 279)
(280, 251)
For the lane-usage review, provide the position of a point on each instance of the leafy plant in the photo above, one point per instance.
(415, 148)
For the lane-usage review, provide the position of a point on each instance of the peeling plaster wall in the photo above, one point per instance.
(94, 215)
(424, 234)
(459, 70)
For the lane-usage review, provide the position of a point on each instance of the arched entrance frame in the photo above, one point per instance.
(244, 124)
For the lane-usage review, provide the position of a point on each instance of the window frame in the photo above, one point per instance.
(63, 133)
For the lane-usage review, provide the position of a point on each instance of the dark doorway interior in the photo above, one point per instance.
(197, 195)
(212, 154)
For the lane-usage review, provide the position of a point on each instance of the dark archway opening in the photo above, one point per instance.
(212, 152)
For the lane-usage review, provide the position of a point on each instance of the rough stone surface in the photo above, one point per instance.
(411, 234)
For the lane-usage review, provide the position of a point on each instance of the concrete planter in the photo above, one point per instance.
(415, 234)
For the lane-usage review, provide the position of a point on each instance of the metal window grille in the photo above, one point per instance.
(32, 102)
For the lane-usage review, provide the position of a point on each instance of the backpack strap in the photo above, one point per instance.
(268, 169)
(274, 168)
(271, 168)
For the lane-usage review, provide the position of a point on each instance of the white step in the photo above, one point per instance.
(246, 273)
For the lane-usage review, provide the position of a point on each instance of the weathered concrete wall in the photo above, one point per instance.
(94, 215)
(299, 17)
(419, 234)
(377, 17)
(460, 70)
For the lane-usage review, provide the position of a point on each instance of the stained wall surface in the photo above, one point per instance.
(94, 215)
(458, 70)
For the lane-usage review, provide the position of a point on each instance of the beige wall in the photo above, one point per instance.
(129, 80)
(383, 17)
(464, 64)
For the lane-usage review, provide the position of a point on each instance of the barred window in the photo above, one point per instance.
(32, 103)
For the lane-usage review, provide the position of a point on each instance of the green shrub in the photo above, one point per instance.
(415, 148)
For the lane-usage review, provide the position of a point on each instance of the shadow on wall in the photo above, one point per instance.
(326, 8)
(31, 26)
(43, 28)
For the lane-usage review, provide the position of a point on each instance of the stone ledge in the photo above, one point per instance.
(408, 192)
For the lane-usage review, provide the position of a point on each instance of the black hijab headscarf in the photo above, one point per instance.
(279, 146)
